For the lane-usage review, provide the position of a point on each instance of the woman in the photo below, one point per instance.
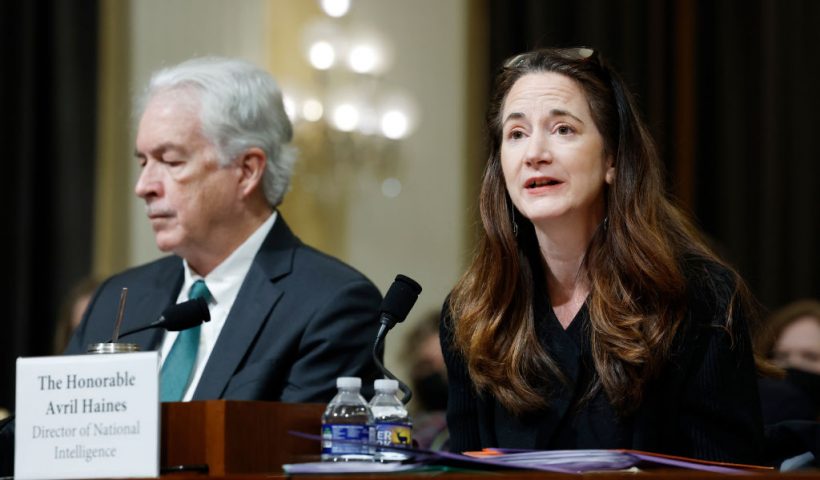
(593, 315)
(792, 339)
(792, 342)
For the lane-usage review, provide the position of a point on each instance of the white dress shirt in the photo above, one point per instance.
(223, 283)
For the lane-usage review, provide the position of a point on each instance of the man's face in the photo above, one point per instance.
(189, 197)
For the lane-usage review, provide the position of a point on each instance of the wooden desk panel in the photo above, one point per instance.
(238, 437)
(249, 440)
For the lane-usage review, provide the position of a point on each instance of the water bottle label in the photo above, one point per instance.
(358, 433)
(394, 434)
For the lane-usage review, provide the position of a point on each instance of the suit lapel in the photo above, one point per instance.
(256, 299)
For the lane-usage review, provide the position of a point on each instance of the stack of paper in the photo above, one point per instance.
(580, 461)
(564, 461)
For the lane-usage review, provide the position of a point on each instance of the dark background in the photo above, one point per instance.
(730, 91)
(48, 86)
(728, 87)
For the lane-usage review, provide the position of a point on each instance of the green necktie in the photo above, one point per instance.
(177, 369)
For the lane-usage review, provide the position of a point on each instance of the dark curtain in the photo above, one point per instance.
(49, 83)
(730, 90)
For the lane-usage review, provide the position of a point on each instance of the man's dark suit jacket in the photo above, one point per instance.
(300, 320)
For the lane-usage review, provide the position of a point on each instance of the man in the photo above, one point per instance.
(286, 320)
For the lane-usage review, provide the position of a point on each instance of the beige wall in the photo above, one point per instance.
(421, 232)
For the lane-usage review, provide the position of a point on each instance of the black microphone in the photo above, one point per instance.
(400, 298)
(181, 316)
(397, 303)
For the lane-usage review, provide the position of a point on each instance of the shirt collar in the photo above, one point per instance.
(225, 280)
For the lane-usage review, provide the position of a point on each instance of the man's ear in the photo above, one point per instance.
(252, 165)
(610, 170)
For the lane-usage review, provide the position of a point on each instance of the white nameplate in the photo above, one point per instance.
(87, 416)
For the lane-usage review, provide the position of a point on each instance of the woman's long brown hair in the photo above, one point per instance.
(637, 286)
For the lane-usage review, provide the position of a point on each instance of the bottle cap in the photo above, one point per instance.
(385, 385)
(348, 382)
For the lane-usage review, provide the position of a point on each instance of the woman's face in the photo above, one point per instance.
(799, 345)
(552, 154)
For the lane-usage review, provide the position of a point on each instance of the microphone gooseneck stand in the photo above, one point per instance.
(378, 350)
(397, 303)
(178, 317)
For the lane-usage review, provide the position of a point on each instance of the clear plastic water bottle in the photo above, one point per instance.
(392, 423)
(347, 417)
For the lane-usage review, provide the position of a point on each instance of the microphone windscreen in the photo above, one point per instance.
(401, 297)
(185, 315)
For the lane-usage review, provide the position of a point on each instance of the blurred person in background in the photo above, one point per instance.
(428, 377)
(71, 312)
(792, 342)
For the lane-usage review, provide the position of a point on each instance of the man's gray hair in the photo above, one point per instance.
(241, 107)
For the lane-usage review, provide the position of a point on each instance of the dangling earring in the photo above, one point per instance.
(512, 217)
